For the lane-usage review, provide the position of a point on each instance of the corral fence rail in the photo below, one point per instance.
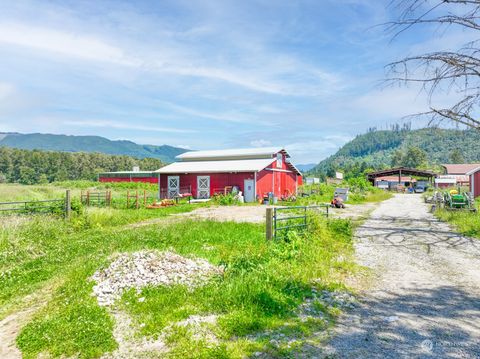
(166, 193)
(96, 198)
(139, 199)
(62, 205)
(280, 220)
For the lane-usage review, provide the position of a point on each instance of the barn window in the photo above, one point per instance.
(279, 160)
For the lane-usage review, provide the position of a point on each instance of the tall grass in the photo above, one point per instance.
(467, 223)
(359, 192)
(263, 285)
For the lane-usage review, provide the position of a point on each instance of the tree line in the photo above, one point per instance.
(37, 167)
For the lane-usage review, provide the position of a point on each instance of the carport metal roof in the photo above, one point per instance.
(400, 171)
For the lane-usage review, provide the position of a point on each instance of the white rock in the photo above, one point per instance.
(145, 268)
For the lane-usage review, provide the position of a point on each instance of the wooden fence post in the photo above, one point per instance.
(136, 199)
(144, 198)
(128, 199)
(269, 224)
(68, 204)
(88, 198)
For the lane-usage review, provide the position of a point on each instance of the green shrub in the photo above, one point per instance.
(224, 199)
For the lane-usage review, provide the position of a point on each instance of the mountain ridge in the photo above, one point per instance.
(74, 143)
(375, 149)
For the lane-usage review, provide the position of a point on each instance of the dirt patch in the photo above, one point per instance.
(12, 324)
(130, 345)
(425, 297)
(252, 214)
(9, 329)
(353, 211)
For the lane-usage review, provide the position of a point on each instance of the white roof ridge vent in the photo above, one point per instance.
(238, 153)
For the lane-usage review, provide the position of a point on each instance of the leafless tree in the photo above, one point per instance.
(457, 72)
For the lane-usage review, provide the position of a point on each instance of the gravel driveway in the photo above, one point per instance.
(256, 214)
(425, 298)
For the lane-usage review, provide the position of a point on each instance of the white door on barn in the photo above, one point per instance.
(173, 186)
(249, 190)
(203, 187)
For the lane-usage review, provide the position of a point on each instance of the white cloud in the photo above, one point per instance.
(124, 126)
(187, 147)
(307, 151)
(398, 102)
(260, 143)
(259, 69)
(61, 42)
(6, 90)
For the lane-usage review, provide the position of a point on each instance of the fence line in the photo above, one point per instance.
(40, 206)
(294, 217)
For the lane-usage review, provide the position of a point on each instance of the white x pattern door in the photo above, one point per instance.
(173, 186)
(203, 187)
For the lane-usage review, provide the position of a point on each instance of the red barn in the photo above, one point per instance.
(475, 181)
(255, 171)
(128, 176)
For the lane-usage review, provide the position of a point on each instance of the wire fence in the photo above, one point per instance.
(49, 206)
(281, 220)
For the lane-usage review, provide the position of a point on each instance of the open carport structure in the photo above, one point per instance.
(400, 172)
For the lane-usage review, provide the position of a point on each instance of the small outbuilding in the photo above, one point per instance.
(474, 176)
(254, 171)
(399, 176)
(129, 176)
(459, 171)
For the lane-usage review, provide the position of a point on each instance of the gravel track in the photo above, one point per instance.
(425, 298)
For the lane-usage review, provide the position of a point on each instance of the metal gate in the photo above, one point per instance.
(295, 218)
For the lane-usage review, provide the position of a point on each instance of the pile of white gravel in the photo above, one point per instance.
(149, 268)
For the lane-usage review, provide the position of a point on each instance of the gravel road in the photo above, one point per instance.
(424, 297)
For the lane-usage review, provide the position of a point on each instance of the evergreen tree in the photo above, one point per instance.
(31, 167)
(456, 156)
(415, 157)
(397, 158)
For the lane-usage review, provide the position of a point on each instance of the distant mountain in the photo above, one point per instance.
(67, 143)
(306, 167)
(375, 149)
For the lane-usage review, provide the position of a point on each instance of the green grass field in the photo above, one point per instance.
(323, 193)
(263, 285)
(467, 223)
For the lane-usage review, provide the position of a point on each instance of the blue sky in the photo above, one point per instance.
(206, 74)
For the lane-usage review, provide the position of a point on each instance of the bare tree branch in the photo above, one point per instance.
(441, 71)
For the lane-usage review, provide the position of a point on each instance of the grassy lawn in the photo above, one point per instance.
(263, 285)
(323, 193)
(467, 223)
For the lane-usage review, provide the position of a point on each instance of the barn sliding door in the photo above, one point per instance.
(203, 187)
(173, 186)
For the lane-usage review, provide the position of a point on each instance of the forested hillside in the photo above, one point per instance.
(381, 149)
(39, 141)
(31, 167)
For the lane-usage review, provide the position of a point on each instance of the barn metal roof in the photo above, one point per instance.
(232, 153)
(474, 170)
(216, 166)
(460, 168)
